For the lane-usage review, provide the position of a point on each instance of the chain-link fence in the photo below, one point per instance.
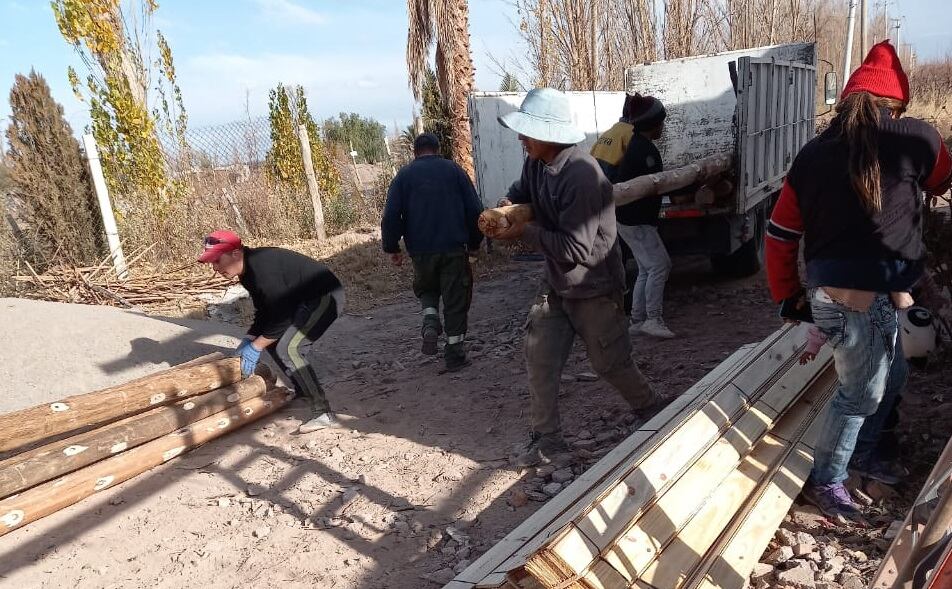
(243, 142)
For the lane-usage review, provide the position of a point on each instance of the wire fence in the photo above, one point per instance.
(245, 142)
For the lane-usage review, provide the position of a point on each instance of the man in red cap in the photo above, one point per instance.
(854, 196)
(296, 299)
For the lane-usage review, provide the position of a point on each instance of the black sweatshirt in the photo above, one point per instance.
(279, 281)
(641, 158)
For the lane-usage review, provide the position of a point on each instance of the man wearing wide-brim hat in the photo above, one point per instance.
(581, 293)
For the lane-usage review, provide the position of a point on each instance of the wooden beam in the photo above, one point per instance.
(26, 426)
(729, 562)
(45, 463)
(49, 497)
(489, 570)
(728, 509)
(649, 475)
(629, 529)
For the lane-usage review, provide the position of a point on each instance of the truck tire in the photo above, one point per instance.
(749, 257)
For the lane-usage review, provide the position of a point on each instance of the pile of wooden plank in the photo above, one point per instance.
(693, 497)
(56, 454)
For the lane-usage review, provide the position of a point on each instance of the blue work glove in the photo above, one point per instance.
(249, 357)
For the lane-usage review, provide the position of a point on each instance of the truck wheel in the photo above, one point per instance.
(748, 258)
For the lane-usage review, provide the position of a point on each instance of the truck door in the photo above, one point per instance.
(776, 112)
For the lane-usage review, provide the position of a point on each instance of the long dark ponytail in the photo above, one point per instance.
(858, 117)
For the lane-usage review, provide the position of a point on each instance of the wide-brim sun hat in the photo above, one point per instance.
(545, 115)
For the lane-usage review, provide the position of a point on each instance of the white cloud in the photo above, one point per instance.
(287, 12)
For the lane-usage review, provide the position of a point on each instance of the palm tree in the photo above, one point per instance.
(444, 23)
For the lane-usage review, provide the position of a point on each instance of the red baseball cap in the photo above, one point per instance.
(218, 243)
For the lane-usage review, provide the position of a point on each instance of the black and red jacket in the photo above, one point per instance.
(846, 246)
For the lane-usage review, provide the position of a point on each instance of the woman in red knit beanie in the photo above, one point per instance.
(853, 195)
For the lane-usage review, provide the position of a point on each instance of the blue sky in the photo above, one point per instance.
(348, 54)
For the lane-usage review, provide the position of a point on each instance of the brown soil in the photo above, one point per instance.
(414, 487)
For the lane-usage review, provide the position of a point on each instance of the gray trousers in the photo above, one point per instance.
(551, 328)
(654, 265)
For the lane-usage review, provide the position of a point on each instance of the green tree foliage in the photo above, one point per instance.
(510, 83)
(365, 134)
(287, 109)
(436, 115)
(47, 173)
(117, 89)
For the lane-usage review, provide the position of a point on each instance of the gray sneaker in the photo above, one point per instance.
(322, 421)
(430, 336)
(656, 328)
(542, 449)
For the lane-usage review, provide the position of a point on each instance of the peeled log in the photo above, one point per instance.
(45, 463)
(23, 427)
(494, 223)
(50, 497)
(671, 180)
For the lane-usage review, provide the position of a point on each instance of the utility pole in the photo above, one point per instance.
(848, 54)
(864, 28)
(894, 37)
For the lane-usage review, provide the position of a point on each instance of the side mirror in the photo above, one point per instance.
(830, 87)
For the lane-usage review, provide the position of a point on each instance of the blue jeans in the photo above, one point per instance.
(872, 371)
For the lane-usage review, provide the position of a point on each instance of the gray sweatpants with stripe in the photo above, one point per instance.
(293, 352)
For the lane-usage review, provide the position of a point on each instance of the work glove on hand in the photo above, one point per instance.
(249, 355)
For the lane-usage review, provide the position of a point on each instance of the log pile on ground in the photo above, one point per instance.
(99, 285)
(57, 454)
(494, 223)
(691, 498)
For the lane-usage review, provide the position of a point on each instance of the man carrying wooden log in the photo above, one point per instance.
(296, 299)
(608, 151)
(433, 206)
(638, 220)
(581, 294)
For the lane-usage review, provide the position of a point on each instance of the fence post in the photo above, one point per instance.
(312, 183)
(105, 207)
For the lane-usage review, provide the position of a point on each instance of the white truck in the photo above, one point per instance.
(758, 104)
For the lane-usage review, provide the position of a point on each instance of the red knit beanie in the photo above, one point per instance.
(880, 74)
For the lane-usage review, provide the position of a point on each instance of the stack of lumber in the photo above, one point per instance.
(57, 454)
(693, 497)
(495, 223)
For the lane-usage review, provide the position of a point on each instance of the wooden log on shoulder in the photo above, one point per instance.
(671, 180)
(21, 428)
(498, 222)
(50, 497)
(45, 463)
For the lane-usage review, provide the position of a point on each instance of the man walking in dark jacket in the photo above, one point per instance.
(581, 294)
(295, 298)
(433, 206)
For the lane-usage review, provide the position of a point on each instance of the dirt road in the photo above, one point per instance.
(415, 487)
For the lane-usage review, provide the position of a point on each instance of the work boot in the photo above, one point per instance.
(656, 328)
(834, 500)
(542, 449)
(430, 335)
(322, 421)
(455, 356)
